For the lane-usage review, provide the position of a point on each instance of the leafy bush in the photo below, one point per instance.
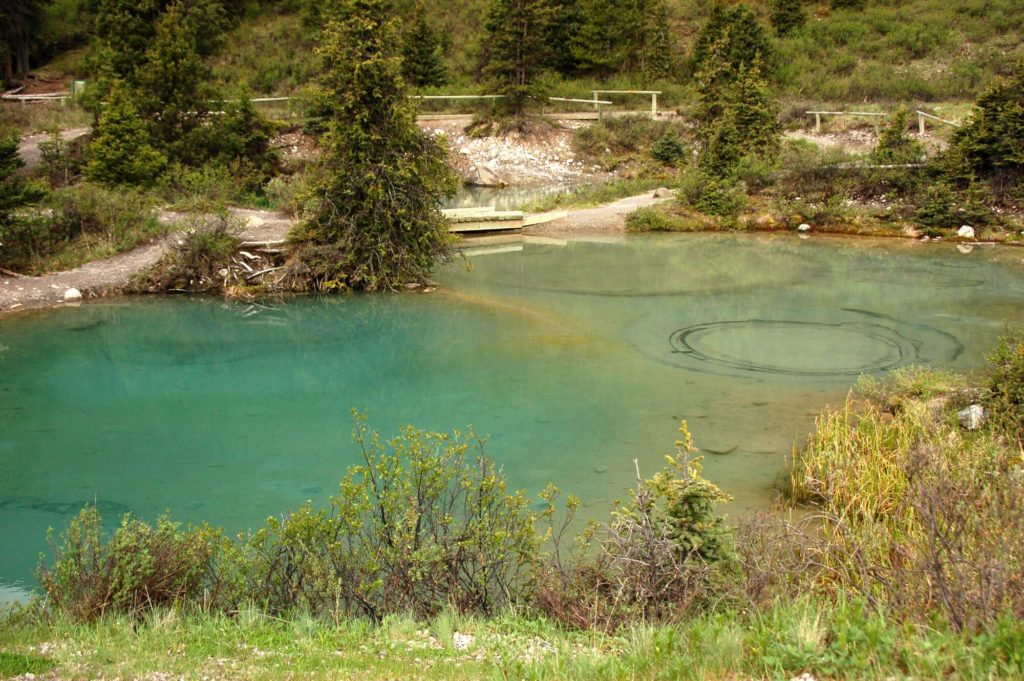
(655, 219)
(664, 554)
(207, 188)
(719, 196)
(84, 222)
(1006, 387)
(423, 523)
(63, 160)
(138, 568)
(613, 140)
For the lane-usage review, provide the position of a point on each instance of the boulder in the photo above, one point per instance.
(965, 232)
(72, 295)
(483, 176)
(662, 193)
(972, 417)
(804, 227)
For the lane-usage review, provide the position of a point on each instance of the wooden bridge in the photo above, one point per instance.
(487, 219)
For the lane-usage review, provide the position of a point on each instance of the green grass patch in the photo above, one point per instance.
(14, 664)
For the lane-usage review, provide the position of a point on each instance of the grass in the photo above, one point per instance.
(42, 117)
(81, 224)
(845, 640)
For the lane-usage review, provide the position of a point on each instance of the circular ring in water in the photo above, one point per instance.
(795, 348)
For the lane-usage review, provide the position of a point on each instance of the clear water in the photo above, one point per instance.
(574, 358)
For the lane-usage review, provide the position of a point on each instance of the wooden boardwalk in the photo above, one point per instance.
(487, 219)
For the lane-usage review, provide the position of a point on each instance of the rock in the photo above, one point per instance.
(965, 232)
(804, 227)
(72, 294)
(462, 641)
(484, 177)
(972, 417)
(662, 193)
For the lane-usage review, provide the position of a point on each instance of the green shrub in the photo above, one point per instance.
(894, 146)
(122, 152)
(138, 568)
(194, 264)
(656, 220)
(664, 554)
(206, 188)
(84, 222)
(425, 522)
(63, 160)
(1006, 386)
(670, 150)
(719, 196)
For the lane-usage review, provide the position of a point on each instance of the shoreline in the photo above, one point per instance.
(110, 277)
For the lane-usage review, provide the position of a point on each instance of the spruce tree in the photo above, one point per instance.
(14, 191)
(599, 47)
(379, 223)
(992, 141)
(120, 152)
(517, 35)
(422, 53)
(746, 41)
(656, 46)
(788, 16)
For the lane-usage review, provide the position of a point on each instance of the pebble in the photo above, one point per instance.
(72, 294)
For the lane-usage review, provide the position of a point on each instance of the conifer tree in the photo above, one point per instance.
(992, 141)
(379, 223)
(746, 41)
(422, 53)
(120, 152)
(656, 46)
(14, 191)
(517, 34)
(788, 16)
(599, 47)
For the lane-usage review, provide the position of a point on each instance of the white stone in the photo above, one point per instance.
(972, 417)
(804, 228)
(484, 177)
(462, 641)
(72, 294)
(965, 232)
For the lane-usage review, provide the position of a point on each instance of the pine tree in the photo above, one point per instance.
(598, 46)
(746, 41)
(171, 84)
(788, 16)
(120, 152)
(656, 47)
(379, 223)
(737, 114)
(14, 191)
(517, 33)
(993, 139)
(20, 21)
(422, 53)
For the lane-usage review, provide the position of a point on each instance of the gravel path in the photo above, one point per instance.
(110, 275)
(607, 219)
(28, 148)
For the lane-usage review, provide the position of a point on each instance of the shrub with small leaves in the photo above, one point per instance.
(1006, 386)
